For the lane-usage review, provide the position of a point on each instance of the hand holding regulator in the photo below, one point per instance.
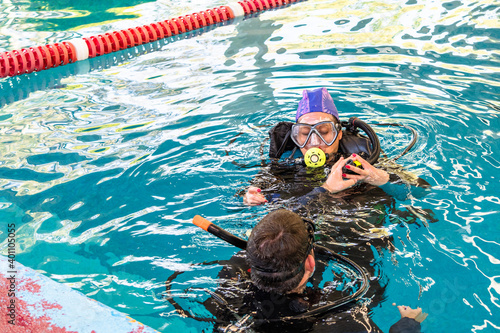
(354, 163)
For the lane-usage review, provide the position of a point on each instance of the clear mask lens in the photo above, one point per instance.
(325, 131)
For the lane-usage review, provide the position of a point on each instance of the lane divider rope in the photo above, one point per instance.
(19, 87)
(35, 59)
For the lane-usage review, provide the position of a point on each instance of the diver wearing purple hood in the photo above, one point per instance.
(318, 126)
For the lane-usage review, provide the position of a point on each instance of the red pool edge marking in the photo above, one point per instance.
(41, 304)
(24, 320)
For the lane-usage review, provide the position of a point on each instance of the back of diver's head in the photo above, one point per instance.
(276, 247)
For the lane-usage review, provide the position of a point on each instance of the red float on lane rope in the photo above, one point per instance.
(180, 26)
(186, 23)
(21, 61)
(30, 60)
(13, 64)
(106, 44)
(38, 58)
(54, 54)
(137, 40)
(91, 47)
(165, 28)
(122, 40)
(252, 7)
(71, 51)
(158, 30)
(245, 6)
(213, 15)
(47, 59)
(208, 17)
(5, 66)
(63, 53)
(115, 45)
(129, 39)
(201, 19)
(144, 35)
(151, 33)
(221, 13)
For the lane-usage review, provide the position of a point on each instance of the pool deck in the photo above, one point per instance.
(31, 302)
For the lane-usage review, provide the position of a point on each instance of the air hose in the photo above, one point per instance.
(38, 58)
(410, 145)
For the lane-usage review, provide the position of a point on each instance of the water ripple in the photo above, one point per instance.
(105, 162)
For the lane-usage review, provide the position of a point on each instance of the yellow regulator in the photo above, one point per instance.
(315, 158)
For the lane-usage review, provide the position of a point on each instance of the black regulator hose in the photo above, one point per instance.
(365, 284)
(413, 141)
(356, 122)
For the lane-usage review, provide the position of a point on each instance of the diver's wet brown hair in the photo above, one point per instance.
(276, 251)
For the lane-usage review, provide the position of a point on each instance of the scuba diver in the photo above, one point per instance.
(335, 179)
(272, 285)
(347, 156)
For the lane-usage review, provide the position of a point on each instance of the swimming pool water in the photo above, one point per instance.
(105, 162)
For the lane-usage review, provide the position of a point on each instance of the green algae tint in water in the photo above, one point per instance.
(105, 162)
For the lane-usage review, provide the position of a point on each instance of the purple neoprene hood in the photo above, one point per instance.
(317, 100)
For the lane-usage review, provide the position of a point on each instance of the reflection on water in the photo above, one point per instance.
(62, 15)
(103, 166)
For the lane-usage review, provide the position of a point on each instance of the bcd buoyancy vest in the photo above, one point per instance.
(352, 142)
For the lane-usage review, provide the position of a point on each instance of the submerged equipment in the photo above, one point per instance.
(240, 243)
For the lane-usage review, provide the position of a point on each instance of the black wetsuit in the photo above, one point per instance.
(351, 223)
(237, 296)
(298, 187)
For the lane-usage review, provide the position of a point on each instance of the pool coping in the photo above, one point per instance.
(30, 301)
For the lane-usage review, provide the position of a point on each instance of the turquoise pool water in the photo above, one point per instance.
(104, 163)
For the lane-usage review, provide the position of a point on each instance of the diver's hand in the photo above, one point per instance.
(253, 197)
(369, 174)
(416, 314)
(334, 183)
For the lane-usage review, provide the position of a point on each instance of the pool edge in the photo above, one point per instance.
(30, 300)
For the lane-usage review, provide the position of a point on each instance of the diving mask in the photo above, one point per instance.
(327, 131)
